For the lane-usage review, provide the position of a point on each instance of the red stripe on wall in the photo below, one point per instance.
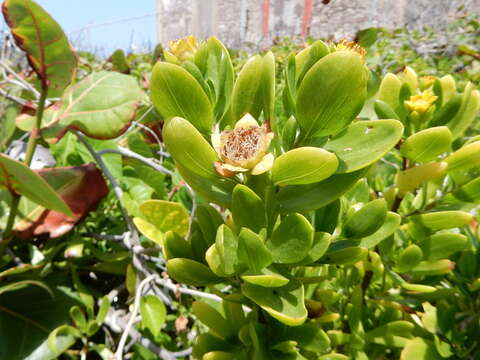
(307, 17)
(265, 17)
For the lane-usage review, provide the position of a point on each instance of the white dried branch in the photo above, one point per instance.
(133, 314)
(153, 163)
(167, 283)
(14, 98)
(20, 81)
(130, 238)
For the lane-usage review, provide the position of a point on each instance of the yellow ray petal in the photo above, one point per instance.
(264, 165)
(246, 121)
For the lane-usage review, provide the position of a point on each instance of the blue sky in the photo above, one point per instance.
(75, 15)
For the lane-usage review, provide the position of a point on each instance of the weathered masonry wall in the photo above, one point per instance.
(241, 23)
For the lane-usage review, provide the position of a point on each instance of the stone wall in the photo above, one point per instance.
(241, 23)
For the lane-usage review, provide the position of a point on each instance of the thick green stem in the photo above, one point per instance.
(277, 137)
(35, 134)
(7, 235)
(32, 144)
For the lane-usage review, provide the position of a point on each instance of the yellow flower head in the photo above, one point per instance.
(244, 148)
(420, 103)
(345, 45)
(427, 81)
(184, 49)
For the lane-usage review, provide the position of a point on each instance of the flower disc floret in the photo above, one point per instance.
(344, 45)
(420, 103)
(185, 48)
(244, 148)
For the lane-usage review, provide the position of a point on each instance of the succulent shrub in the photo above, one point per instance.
(321, 211)
(315, 226)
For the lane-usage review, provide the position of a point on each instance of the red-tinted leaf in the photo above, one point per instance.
(81, 187)
(101, 106)
(39, 35)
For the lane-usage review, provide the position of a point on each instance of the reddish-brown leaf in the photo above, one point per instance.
(82, 189)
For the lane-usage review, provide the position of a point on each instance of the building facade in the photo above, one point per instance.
(241, 23)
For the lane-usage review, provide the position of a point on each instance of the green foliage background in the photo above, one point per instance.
(390, 276)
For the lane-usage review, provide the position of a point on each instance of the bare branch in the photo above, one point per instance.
(147, 161)
(22, 81)
(14, 257)
(104, 236)
(14, 98)
(131, 238)
(133, 314)
(184, 290)
(116, 187)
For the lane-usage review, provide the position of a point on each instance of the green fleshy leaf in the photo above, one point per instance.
(291, 240)
(252, 251)
(254, 89)
(209, 220)
(266, 278)
(443, 219)
(321, 242)
(332, 94)
(304, 198)
(395, 334)
(189, 148)
(176, 93)
(148, 230)
(166, 215)
(248, 209)
(309, 337)
(433, 267)
(213, 60)
(286, 304)
(191, 272)
(470, 192)
(409, 258)
(391, 224)
(443, 245)
(18, 316)
(413, 177)
(217, 189)
(222, 256)
(467, 112)
(419, 348)
(389, 91)
(447, 112)
(466, 157)
(210, 317)
(304, 165)
(345, 256)
(153, 313)
(364, 142)
(384, 110)
(365, 221)
(119, 61)
(308, 57)
(175, 246)
(427, 144)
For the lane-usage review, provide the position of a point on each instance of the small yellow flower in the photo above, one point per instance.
(420, 103)
(345, 45)
(244, 148)
(184, 49)
(427, 81)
